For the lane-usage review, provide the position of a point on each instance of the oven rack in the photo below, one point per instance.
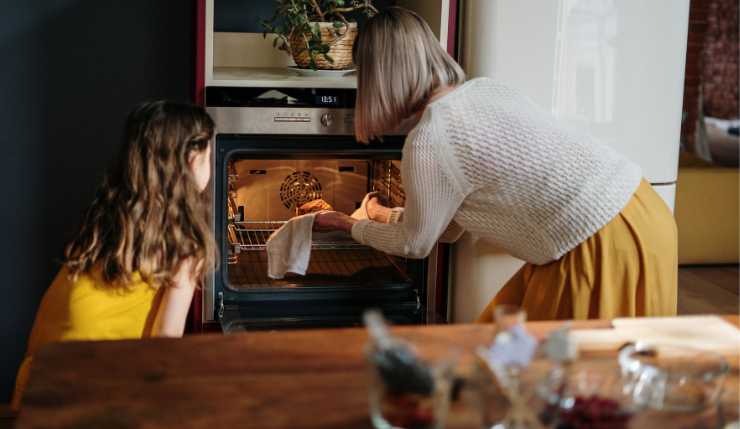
(251, 236)
(355, 267)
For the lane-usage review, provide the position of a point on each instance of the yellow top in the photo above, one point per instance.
(89, 309)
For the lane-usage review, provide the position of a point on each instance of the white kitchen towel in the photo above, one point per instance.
(289, 248)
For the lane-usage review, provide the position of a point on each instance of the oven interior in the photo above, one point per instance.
(260, 180)
(262, 194)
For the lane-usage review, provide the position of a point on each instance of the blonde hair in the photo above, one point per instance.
(149, 215)
(400, 64)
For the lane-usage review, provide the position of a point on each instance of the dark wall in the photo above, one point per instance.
(69, 72)
(243, 16)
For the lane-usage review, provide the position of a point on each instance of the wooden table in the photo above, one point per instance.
(266, 380)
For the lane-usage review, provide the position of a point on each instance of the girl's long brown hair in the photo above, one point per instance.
(148, 215)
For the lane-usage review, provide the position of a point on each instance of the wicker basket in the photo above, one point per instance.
(341, 48)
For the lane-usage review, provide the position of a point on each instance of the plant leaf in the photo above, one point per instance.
(296, 19)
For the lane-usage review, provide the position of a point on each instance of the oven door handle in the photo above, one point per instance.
(220, 306)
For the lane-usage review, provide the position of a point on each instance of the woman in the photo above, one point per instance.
(144, 243)
(598, 241)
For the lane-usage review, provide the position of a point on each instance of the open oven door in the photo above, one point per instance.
(237, 315)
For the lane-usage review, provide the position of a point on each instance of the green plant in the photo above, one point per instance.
(297, 21)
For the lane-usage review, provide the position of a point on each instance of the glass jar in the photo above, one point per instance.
(414, 403)
(588, 394)
(506, 400)
(672, 378)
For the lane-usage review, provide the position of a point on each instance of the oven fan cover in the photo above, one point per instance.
(299, 188)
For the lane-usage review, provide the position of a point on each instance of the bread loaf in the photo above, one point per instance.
(314, 206)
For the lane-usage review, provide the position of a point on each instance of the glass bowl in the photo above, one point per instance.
(590, 394)
(672, 378)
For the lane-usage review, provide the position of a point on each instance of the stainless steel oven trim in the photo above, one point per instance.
(291, 121)
(273, 120)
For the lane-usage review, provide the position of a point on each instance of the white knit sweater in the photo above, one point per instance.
(487, 158)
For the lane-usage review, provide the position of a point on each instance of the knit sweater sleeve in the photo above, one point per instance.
(433, 196)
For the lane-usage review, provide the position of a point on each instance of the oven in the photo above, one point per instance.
(276, 149)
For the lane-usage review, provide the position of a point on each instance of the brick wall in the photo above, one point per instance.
(711, 63)
(720, 77)
(694, 67)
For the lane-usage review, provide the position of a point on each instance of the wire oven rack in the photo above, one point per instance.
(358, 267)
(251, 236)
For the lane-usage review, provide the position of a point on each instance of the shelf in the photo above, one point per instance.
(278, 78)
(253, 235)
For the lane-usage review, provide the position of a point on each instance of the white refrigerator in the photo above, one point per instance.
(614, 68)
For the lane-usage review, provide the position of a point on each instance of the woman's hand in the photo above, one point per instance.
(333, 221)
(376, 211)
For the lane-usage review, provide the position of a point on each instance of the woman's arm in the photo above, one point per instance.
(432, 199)
(173, 309)
(380, 213)
(434, 192)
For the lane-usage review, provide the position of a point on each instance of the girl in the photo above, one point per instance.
(144, 243)
(598, 241)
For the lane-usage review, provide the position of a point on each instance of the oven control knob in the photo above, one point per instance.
(327, 119)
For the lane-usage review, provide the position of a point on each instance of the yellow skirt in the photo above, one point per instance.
(627, 268)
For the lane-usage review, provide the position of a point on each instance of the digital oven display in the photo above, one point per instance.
(327, 100)
(336, 98)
